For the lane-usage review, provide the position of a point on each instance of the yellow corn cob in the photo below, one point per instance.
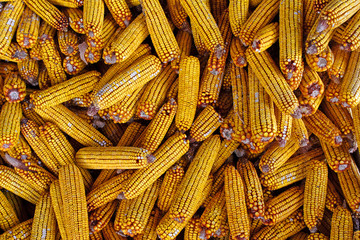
(65, 91)
(336, 13)
(317, 236)
(262, 111)
(299, 236)
(317, 42)
(109, 33)
(20, 231)
(155, 93)
(173, 90)
(7, 68)
(29, 70)
(16, 203)
(8, 217)
(68, 3)
(14, 88)
(156, 130)
(238, 13)
(276, 155)
(283, 205)
(113, 131)
(74, 126)
(164, 41)
(226, 84)
(149, 232)
(104, 175)
(341, 58)
(49, 13)
(35, 52)
(30, 113)
(235, 189)
(209, 88)
(10, 17)
(74, 200)
(132, 132)
(218, 183)
(205, 25)
(295, 169)
(190, 188)
(184, 41)
(107, 191)
(120, 12)
(44, 221)
(14, 53)
(9, 125)
(261, 16)
(322, 61)
(92, 55)
(339, 116)
(99, 218)
(168, 153)
(284, 229)
(225, 151)
(73, 65)
(168, 228)
(82, 101)
(284, 127)
(274, 83)
(21, 150)
(170, 184)
(341, 224)
(68, 42)
(11, 181)
(253, 189)
(323, 128)
(350, 37)
(315, 194)
(265, 37)
(132, 215)
(110, 233)
(46, 31)
(127, 42)
(308, 106)
(350, 184)
(94, 20)
(225, 102)
(325, 226)
(113, 158)
(135, 76)
(178, 15)
(52, 60)
(76, 21)
(311, 85)
(356, 115)
(189, 74)
(28, 29)
(205, 124)
(191, 229)
(333, 198)
(237, 53)
(310, 16)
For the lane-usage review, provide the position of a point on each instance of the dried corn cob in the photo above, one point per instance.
(8, 217)
(17, 203)
(333, 198)
(99, 218)
(73, 65)
(184, 41)
(132, 132)
(28, 29)
(311, 85)
(178, 15)
(68, 42)
(92, 55)
(339, 116)
(14, 53)
(317, 42)
(76, 21)
(284, 127)
(30, 113)
(350, 37)
(341, 224)
(29, 71)
(21, 150)
(265, 37)
(14, 88)
(155, 93)
(94, 20)
(20, 231)
(120, 12)
(209, 88)
(9, 125)
(35, 52)
(225, 151)
(237, 52)
(341, 59)
(308, 106)
(191, 229)
(322, 61)
(238, 13)
(350, 185)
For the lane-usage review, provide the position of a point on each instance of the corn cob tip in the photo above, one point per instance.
(150, 158)
(322, 25)
(338, 140)
(219, 51)
(24, 121)
(312, 49)
(313, 230)
(121, 196)
(314, 90)
(13, 94)
(92, 110)
(297, 113)
(282, 142)
(265, 168)
(110, 59)
(256, 45)
(346, 47)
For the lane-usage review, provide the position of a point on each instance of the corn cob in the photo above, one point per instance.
(44, 221)
(74, 126)
(322, 61)
(28, 29)
(276, 155)
(226, 84)
(170, 184)
(283, 205)
(8, 217)
(168, 153)
(237, 53)
(350, 37)
(109, 33)
(341, 58)
(238, 13)
(68, 42)
(107, 191)
(127, 42)
(17, 204)
(341, 224)
(149, 232)
(265, 37)
(336, 13)
(104, 175)
(317, 236)
(315, 194)
(140, 72)
(295, 169)
(339, 116)
(178, 15)
(209, 88)
(284, 229)
(73, 65)
(10, 125)
(205, 124)
(225, 102)
(29, 71)
(30, 113)
(14, 88)
(92, 55)
(261, 16)
(173, 90)
(132, 132)
(52, 60)
(120, 12)
(110, 233)
(190, 188)
(253, 189)
(310, 16)
(225, 151)
(189, 74)
(284, 99)
(325, 226)
(308, 106)
(311, 85)
(284, 128)
(323, 128)
(21, 150)
(76, 21)
(113, 131)
(198, 42)
(218, 183)
(317, 42)
(262, 115)
(94, 20)
(191, 229)
(10, 17)
(20, 231)
(35, 52)
(99, 218)
(46, 32)
(7, 68)
(350, 185)
(132, 215)
(349, 90)
(184, 41)
(75, 212)
(11, 181)
(155, 93)
(333, 198)
(14, 53)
